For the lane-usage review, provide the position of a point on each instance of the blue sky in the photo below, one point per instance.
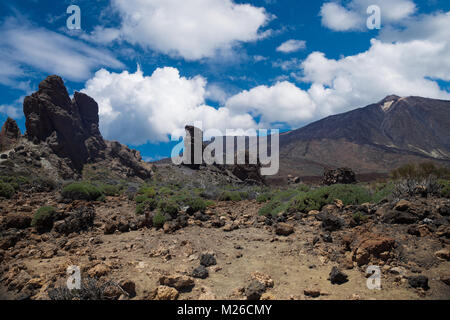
(230, 64)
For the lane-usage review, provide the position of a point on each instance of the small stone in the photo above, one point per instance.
(200, 272)
(337, 276)
(284, 229)
(311, 293)
(418, 282)
(207, 260)
(164, 293)
(255, 290)
(177, 282)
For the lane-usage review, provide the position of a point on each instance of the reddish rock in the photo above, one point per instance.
(374, 247)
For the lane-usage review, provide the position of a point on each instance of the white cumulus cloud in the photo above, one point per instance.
(353, 15)
(136, 109)
(292, 46)
(192, 29)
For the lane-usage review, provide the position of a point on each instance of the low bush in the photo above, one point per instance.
(146, 206)
(109, 190)
(316, 199)
(418, 171)
(149, 192)
(445, 188)
(233, 196)
(159, 219)
(198, 204)
(43, 218)
(169, 206)
(6, 190)
(263, 197)
(81, 191)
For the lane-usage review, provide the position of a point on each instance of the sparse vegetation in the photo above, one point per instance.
(169, 206)
(6, 190)
(159, 219)
(445, 188)
(43, 218)
(413, 171)
(81, 191)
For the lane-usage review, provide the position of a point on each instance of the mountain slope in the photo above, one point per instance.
(373, 139)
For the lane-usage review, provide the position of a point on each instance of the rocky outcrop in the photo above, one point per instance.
(9, 134)
(193, 143)
(70, 128)
(340, 175)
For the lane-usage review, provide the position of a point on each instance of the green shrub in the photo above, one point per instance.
(169, 206)
(165, 191)
(140, 198)
(6, 190)
(420, 171)
(149, 192)
(81, 191)
(445, 188)
(109, 190)
(230, 196)
(316, 199)
(198, 204)
(146, 206)
(273, 208)
(382, 193)
(43, 219)
(263, 197)
(159, 219)
(303, 188)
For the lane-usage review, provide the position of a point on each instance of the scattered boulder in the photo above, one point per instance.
(200, 272)
(81, 219)
(330, 222)
(418, 282)
(16, 221)
(178, 282)
(164, 293)
(337, 276)
(207, 260)
(255, 290)
(283, 229)
(373, 247)
(339, 176)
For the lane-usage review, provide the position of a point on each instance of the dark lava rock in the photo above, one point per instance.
(339, 176)
(330, 222)
(207, 260)
(418, 282)
(337, 276)
(400, 217)
(200, 272)
(16, 221)
(255, 290)
(81, 219)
